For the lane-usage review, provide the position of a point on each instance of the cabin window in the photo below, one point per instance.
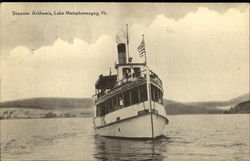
(134, 96)
(153, 93)
(105, 107)
(109, 105)
(102, 109)
(98, 112)
(126, 73)
(161, 98)
(143, 93)
(126, 98)
(157, 91)
(156, 94)
(114, 103)
(137, 72)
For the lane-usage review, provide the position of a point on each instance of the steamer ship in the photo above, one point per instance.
(129, 104)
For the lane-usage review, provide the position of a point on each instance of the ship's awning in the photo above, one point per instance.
(106, 82)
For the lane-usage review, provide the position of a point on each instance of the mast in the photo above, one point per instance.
(145, 53)
(149, 98)
(149, 90)
(127, 41)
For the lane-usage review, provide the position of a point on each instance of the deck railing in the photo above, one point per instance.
(139, 77)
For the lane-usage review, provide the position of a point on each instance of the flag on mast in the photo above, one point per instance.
(141, 48)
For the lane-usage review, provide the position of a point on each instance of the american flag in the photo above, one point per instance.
(141, 48)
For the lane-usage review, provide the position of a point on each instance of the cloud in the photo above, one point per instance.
(46, 29)
(60, 70)
(202, 56)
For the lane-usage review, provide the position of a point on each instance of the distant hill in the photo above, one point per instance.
(243, 107)
(242, 98)
(46, 108)
(174, 108)
(214, 104)
(83, 107)
(50, 103)
(58, 104)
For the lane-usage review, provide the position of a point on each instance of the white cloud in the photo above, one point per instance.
(60, 70)
(203, 56)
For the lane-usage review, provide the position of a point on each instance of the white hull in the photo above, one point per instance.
(134, 127)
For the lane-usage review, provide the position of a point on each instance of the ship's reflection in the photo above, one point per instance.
(120, 149)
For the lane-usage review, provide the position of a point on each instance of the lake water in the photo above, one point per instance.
(188, 137)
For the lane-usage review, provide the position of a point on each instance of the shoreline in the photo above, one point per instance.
(92, 117)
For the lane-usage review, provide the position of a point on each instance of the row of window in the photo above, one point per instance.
(127, 72)
(128, 98)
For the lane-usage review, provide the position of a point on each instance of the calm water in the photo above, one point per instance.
(189, 137)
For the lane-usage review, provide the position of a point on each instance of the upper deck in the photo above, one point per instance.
(132, 76)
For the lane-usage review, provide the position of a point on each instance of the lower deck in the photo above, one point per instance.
(135, 127)
(132, 122)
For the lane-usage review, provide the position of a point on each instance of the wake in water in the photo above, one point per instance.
(23, 145)
(130, 149)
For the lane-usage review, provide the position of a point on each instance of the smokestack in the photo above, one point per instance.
(122, 58)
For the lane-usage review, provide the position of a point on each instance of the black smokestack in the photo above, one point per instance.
(121, 48)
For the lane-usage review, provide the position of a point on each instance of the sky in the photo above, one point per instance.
(199, 50)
